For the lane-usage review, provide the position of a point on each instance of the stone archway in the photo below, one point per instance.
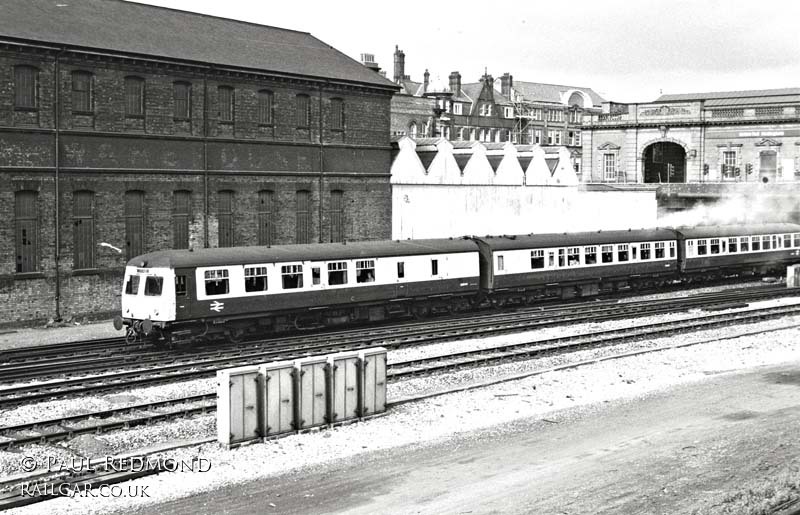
(664, 162)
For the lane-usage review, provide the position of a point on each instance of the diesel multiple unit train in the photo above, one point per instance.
(191, 295)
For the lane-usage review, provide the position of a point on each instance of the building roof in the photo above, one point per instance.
(551, 93)
(150, 31)
(306, 252)
(473, 91)
(751, 94)
(742, 101)
(538, 241)
(717, 231)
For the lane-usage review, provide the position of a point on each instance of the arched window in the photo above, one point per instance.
(27, 231)
(412, 129)
(303, 111)
(134, 223)
(266, 222)
(181, 211)
(134, 96)
(337, 114)
(182, 97)
(83, 230)
(82, 92)
(303, 216)
(225, 100)
(26, 87)
(576, 99)
(225, 218)
(337, 216)
(266, 103)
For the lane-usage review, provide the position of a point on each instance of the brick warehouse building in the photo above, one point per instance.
(143, 128)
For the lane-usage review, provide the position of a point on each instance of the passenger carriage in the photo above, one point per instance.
(716, 250)
(524, 268)
(185, 294)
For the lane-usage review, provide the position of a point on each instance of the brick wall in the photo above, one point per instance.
(105, 152)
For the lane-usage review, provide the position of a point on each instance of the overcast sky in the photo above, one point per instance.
(627, 51)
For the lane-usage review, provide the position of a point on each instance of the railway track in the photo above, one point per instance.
(198, 367)
(523, 320)
(141, 414)
(116, 348)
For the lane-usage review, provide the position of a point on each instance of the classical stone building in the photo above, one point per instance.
(698, 148)
(127, 128)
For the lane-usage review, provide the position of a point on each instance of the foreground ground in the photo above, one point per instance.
(669, 453)
(676, 431)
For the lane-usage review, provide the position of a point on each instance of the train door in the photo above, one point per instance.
(400, 278)
(184, 293)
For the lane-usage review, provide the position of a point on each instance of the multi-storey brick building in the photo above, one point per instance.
(490, 110)
(132, 127)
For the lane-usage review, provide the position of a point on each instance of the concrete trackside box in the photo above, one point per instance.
(311, 401)
(373, 363)
(278, 395)
(238, 404)
(344, 392)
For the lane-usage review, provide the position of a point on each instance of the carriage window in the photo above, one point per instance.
(560, 257)
(255, 278)
(622, 252)
(365, 271)
(551, 259)
(315, 275)
(590, 255)
(732, 245)
(292, 276)
(659, 250)
(672, 249)
(180, 285)
(537, 259)
(434, 267)
(216, 282)
(715, 245)
(796, 238)
(689, 248)
(755, 243)
(607, 254)
(337, 273)
(153, 285)
(401, 269)
(776, 243)
(573, 256)
(702, 247)
(500, 263)
(132, 286)
(765, 242)
(744, 244)
(787, 241)
(645, 251)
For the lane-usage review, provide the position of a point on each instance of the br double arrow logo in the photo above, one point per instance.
(217, 306)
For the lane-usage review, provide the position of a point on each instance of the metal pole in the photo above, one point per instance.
(205, 159)
(57, 164)
(321, 166)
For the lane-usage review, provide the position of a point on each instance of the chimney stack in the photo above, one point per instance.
(506, 83)
(399, 65)
(455, 84)
(368, 60)
(426, 81)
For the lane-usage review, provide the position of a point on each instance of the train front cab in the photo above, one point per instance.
(148, 300)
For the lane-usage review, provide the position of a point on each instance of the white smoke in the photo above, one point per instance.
(739, 209)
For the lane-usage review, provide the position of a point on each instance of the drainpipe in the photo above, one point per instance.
(57, 165)
(205, 159)
(321, 165)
